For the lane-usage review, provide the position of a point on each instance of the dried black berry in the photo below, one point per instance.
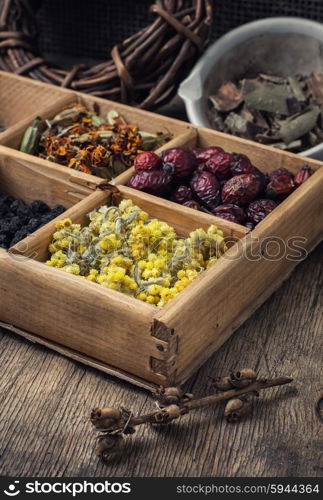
(15, 224)
(6, 199)
(4, 241)
(39, 207)
(20, 235)
(17, 220)
(57, 210)
(19, 208)
(33, 224)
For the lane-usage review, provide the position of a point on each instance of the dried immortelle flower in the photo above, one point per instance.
(124, 250)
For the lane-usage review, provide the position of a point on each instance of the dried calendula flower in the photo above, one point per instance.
(80, 139)
(122, 249)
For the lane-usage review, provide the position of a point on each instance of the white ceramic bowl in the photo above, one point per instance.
(282, 46)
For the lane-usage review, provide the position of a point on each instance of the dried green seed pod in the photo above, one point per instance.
(235, 409)
(222, 383)
(105, 418)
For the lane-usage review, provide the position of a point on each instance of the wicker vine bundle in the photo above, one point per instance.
(144, 70)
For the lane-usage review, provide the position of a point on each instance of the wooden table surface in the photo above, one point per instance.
(45, 400)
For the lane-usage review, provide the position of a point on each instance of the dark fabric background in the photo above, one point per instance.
(88, 29)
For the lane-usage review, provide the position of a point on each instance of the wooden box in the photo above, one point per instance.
(122, 335)
(20, 116)
(21, 98)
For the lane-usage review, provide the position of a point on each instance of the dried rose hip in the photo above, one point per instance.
(207, 189)
(147, 161)
(192, 204)
(204, 155)
(241, 189)
(280, 185)
(259, 209)
(219, 165)
(230, 209)
(179, 161)
(200, 168)
(280, 171)
(181, 194)
(242, 165)
(152, 181)
(230, 217)
(302, 175)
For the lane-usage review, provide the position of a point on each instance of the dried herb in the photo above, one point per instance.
(284, 112)
(122, 249)
(18, 220)
(172, 403)
(216, 182)
(82, 140)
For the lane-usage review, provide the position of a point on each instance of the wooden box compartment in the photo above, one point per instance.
(122, 334)
(24, 178)
(59, 98)
(21, 98)
(213, 308)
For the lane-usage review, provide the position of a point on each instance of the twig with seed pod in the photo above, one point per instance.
(173, 403)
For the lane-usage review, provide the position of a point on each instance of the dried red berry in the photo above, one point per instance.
(259, 209)
(302, 175)
(241, 189)
(204, 155)
(219, 165)
(147, 161)
(181, 194)
(200, 168)
(207, 189)
(179, 161)
(242, 165)
(280, 171)
(192, 204)
(229, 217)
(281, 184)
(152, 181)
(227, 209)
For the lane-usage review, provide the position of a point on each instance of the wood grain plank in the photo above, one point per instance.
(45, 400)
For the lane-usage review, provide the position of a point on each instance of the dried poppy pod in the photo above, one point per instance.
(243, 378)
(235, 409)
(168, 414)
(222, 383)
(171, 395)
(108, 444)
(105, 418)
